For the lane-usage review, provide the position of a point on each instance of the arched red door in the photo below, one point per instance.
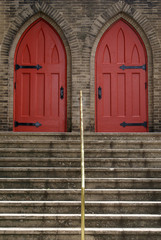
(121, 81)
(40, 80)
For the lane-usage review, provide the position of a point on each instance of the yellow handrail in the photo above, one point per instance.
(82, 172)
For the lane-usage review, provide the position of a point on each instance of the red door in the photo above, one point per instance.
(121, 81)
(40, 80)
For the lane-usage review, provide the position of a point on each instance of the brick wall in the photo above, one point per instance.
(80, 24)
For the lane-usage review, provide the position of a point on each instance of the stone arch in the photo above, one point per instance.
(25, 16)
(148, 35)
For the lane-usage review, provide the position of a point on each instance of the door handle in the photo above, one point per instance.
(99, 92)
(61, 92)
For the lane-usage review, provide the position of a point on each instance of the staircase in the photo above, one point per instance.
(40, 186)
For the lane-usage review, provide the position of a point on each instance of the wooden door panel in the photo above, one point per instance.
(121, 95)
(106, 92)
(25, 97)
(40, 95)
(124, 95)
(55, 98)
(136, 103)
(121, 46)
(26, 55)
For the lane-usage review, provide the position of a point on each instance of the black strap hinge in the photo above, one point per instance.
(25, 66)
(37, 124)
(124, 124)
(143, 67)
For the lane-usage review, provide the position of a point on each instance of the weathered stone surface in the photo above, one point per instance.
(40, 186)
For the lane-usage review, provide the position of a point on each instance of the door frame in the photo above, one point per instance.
(145, 40)
(13, 47)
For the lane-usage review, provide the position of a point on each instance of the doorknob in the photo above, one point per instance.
(99, 93)
(61, 92)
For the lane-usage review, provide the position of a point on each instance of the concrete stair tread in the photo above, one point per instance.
(51, 203)
(74, 207)
(74, 172)
(76, 133)
(78, 169)
(75, 162)
(76, 150)
(79, 202)
(75, 183)
(75, 194)
(69, 142)
(95, 134)
(78, 230)
(73, 216)
(98, 191)
(78, 141)
(79, 179)
(77, 159)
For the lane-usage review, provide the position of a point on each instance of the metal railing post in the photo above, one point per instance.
(82, 172)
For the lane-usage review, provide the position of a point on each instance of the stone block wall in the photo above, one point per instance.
(80, 24)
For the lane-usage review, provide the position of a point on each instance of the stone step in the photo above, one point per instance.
(88, 144)
(71, 172)
(74, 220)
(74, 233)
(74, 194)
(39, 136)
(76, 136)
(93, 207)
(75, 183)
(74, 153)
(40, 186)
(75, 162)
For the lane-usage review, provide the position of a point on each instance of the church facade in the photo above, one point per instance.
(109, 49)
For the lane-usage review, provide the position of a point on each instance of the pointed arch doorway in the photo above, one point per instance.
(121, 81)
(40, 80)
